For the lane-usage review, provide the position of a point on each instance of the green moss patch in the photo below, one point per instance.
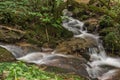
(5, 55)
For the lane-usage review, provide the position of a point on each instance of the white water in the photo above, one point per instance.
(34, 57)
(15, 50)
(97, 54)
(41, 58)
(99, 62)
(52, 59)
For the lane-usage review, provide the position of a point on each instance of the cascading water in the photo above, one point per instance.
(98, 58)
(99, 66)
(68, 63)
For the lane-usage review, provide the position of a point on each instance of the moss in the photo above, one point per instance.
(105, 31)
(38, 35)
(5, 55)
(112, 41)
(109, 31)
(106, 21)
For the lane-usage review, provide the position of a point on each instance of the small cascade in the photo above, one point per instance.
(15, 50)
(100, 65)
(36, 57)
(67, 63)
(100, 62)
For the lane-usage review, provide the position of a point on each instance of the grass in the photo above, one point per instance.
(22, 71)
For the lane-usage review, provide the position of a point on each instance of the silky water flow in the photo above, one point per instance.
(100, 66)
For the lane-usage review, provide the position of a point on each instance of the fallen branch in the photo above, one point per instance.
(11, 29)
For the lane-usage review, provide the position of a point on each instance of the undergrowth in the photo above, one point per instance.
(22, 71)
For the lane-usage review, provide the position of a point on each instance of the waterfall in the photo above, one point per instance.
(66, 63)
(100, 65)
(98, 57)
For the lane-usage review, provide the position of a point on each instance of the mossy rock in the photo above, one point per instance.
(74, 46)
(6, 55)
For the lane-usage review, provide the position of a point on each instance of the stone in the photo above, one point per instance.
(70, 65)
(113, 75)
(74, 46)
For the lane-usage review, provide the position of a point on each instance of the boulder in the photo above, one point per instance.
(74, 46)
(72, 65)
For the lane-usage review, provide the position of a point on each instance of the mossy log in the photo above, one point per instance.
(11, 29)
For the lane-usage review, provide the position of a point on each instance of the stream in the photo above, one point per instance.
(99, 67)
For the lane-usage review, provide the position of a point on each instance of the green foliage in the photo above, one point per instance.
(22, 11)
(109, 24)
(36, 17)
(9, 13)
(39, 37)
(21, 71)
(110, 30)
(106, 21)
(112, 41)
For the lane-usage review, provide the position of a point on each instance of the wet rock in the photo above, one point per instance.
(116, 76)
(71, 65)
(6, 55)
(61, 71)
(10, 35)
(112, 75)
(20, 49)
(74, 46)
